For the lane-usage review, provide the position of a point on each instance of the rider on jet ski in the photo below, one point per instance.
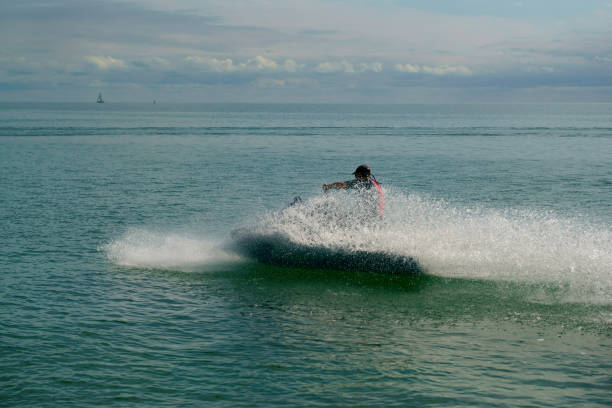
(362, 182)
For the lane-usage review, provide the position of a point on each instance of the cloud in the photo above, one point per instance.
(107, 62)
(257, 64)
(344, 66)
(333, 67)
(371, 67)
(291, 66)
(407, 68)
(447, 70)
(327, 44)
(159, 62)
(435, 70)
(213, 64)
(260, 63)
(604, 59)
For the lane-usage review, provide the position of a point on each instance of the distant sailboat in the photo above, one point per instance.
(100, 100)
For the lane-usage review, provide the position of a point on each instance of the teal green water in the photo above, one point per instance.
(119, 285)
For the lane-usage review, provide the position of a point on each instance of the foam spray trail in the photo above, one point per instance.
(143, 248)
(522, 246)
(515, 245)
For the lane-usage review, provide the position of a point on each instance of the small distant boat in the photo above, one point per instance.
(100, 100)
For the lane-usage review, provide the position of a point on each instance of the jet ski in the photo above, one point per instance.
(318, 234)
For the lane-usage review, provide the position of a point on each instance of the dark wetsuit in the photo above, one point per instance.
(359, 184)
(367, 199)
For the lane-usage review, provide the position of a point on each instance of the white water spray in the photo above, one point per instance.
(514, 245)
(143, 248)
(518, 246)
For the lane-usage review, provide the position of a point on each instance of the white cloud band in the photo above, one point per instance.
(106, 62)
(435, 70)
(257, 64)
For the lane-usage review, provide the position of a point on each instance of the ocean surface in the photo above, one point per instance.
(120, 284)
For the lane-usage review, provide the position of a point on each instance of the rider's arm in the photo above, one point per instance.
(339, 185)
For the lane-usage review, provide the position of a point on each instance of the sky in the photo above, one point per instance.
(335, 51)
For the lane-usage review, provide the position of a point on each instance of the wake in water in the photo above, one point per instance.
(417, 234)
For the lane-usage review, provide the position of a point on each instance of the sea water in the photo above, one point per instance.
(119, 285)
